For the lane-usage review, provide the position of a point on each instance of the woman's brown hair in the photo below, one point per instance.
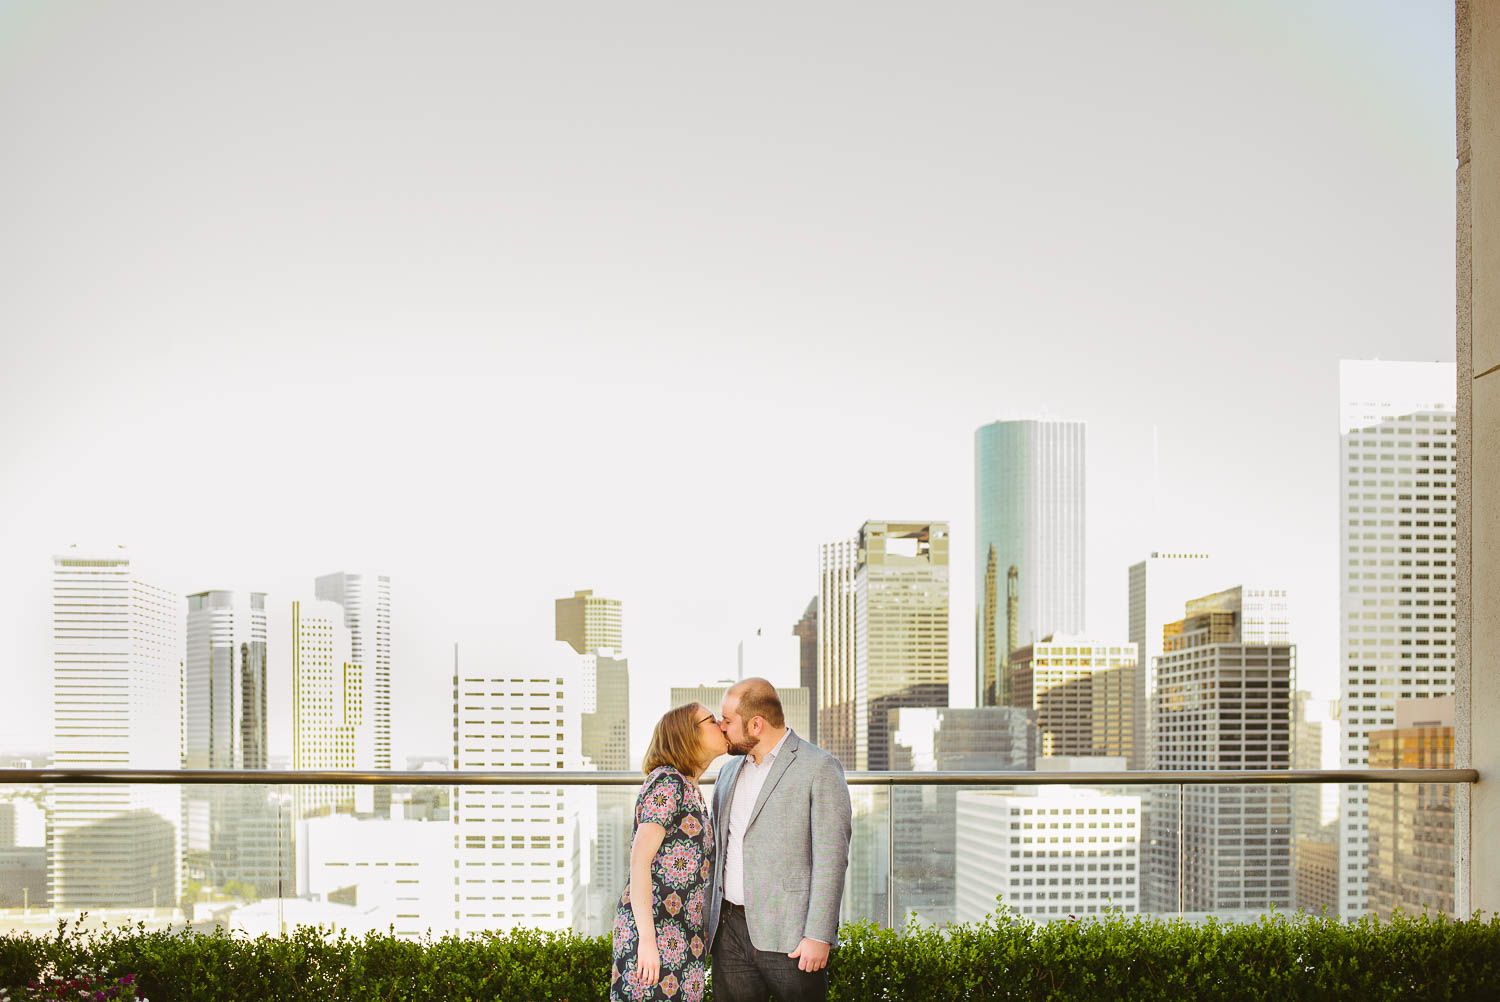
(675, 741)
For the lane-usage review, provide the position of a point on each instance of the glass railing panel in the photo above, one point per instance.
(867, 884)
(1235, 856)
(1041, 852)
(157, 854)
(440, 859)
(1410, 858)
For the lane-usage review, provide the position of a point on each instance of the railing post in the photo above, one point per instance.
(1181, 794)
(890, 851)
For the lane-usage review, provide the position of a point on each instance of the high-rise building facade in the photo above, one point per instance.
(522, 860)
(224, 681)
(605, 709)
(590, 622)
(1083, 692)
(1048, 852)
(332, 722)
(1029, 509)
(1397, 507)
(1411, 824)
(225, 727)
(1314, 841)
(117, 657)
(806, 632)
(1221, 703)
(594, 627)
(883, 634)
(366, 601)
(1160, 587)
(985, 738)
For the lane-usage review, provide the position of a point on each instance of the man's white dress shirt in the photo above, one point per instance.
(752, 779)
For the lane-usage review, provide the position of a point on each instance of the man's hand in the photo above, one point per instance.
(811, 955)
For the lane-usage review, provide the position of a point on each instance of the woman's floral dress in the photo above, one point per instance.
(679, 880)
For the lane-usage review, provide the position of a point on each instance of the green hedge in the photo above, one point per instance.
(1278, 957)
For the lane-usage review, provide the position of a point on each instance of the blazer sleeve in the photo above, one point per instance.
(831, 829)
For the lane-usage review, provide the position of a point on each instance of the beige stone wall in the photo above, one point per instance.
(1478, 342)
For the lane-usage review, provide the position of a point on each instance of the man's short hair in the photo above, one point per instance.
(757, 698)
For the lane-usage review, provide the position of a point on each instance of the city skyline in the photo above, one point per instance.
(961, 677)
(570, 269)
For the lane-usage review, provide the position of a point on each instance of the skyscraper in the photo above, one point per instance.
(605, 738)
(1083, 692)
(605, 709)
(1411, 824)
(332, 723)
(806, 632)
(594, 627)
(1160, 587)
(590, 622)
(224, 710)
(1397, 512)
(117, 661)
(1066, 852)
(1029, 509)
(521, 860)
(883, 634)
(1223, 702)
(1315, 844)
(224, 681)
(986, 738)
(366, 600)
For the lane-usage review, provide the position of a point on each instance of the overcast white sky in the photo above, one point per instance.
(506, 300)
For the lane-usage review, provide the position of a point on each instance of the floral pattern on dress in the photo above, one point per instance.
(694, 982)
(679, 878)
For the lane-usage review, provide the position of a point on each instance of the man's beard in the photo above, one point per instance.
(735, 748)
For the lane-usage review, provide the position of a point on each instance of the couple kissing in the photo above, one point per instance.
(753, 884)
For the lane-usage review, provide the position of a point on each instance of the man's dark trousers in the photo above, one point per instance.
(741, 973)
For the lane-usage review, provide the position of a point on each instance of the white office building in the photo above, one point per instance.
(117, 682)
(332, 715)
(1047, 852)
(402, 871)
(1397, 565)
(521, 850)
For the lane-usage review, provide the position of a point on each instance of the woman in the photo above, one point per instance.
(658, 936)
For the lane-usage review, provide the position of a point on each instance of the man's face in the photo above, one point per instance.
(735, 727)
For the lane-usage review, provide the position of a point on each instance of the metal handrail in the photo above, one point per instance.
(561, 777)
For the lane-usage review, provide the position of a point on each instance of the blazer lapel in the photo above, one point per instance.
(726, 784)
(778, 769)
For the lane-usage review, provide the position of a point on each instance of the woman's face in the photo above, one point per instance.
(709, 733)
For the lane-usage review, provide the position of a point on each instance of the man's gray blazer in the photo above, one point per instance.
(796, 848)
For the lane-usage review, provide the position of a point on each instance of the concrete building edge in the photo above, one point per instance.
(1477, 339)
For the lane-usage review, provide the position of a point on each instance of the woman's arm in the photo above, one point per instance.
(648, 838)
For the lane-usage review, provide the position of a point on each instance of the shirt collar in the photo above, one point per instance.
(770, 756)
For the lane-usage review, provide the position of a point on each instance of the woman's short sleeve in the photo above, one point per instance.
(660, 799)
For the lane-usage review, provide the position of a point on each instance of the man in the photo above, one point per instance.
(781, 818)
